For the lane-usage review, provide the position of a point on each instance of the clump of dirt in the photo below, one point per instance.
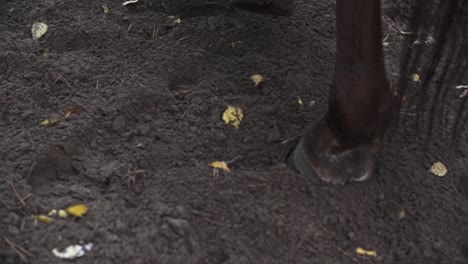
(151, 91)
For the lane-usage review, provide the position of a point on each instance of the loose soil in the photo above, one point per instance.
(151, 93)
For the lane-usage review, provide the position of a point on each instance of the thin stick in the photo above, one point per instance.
(25, 198)
(17, 195)
(18, 249)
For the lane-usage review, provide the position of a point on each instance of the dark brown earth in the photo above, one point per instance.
(151, 94)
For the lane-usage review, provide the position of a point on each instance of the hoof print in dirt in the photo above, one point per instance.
(275, 7)
(178, 6)
(54, 165)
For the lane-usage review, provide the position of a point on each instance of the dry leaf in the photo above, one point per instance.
(70, 111)
(106, 9)
(44, 218)
(415, 77)
(362, 251)
(438, 169)
(220, 165)
(50, 121)
(257, 79)
(77, 210)
(233, 115)
(38, 30)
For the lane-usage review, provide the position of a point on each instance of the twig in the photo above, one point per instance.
(17, 194)
(25, 198)
(63, 79)
(18, 249)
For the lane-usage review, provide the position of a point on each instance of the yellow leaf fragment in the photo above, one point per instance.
(362, 251)
(439, 169)
(77, 210)
(233, 115)
(38, 30)
(44, 218)
(106, 9)
(220, 165)
(415, 77)
(50, 121)
(62, 213)
(257, 79)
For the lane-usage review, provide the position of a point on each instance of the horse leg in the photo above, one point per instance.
(342, 145)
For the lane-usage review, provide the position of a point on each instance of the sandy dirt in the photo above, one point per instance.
(151, 93)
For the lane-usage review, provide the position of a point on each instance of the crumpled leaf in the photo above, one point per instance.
(50, 121)
(78, 210)
(44, 218)
(233, 115)
(220, 165)
(257, 79)
(362, 251)
(38, 30)
(439, 169)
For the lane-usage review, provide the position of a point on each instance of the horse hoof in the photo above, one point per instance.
(297, 162)
(316, 163)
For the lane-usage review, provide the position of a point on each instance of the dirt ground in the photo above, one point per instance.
(151, 92)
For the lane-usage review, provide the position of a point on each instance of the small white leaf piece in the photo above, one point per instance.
(72, 251)
(38, 30)
(129, 2)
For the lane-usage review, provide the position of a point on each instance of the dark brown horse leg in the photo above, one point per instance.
(342, 145)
